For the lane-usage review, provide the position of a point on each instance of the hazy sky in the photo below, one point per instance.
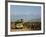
(25, 12)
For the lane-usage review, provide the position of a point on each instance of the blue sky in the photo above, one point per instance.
(25, 12)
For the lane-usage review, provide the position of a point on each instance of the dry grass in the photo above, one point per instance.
(27, 26)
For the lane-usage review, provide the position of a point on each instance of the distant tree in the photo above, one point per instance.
(21, 20)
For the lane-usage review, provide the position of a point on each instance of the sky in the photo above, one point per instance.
(25, 12)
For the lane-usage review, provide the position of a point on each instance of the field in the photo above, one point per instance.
(25, 26)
